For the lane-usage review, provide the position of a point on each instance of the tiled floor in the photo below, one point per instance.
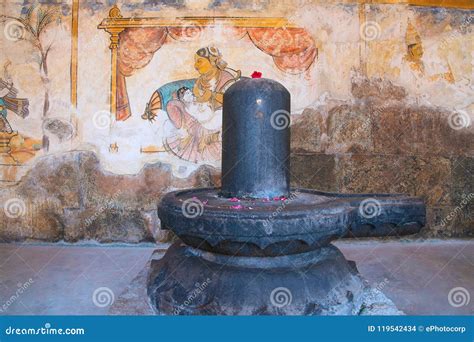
(417, 276)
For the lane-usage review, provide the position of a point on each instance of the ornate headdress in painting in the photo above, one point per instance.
(213, 55)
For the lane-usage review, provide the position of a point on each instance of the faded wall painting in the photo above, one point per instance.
(26, 29)
(122, 100)
(190, 109)
(194, 108)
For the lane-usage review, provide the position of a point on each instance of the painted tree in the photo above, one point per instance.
(30, 27)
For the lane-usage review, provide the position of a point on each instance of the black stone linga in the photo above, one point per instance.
(255, 236)
(256, 140)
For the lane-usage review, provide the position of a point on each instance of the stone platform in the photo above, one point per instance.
(272, 299)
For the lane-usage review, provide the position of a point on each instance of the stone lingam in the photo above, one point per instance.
(255, 246)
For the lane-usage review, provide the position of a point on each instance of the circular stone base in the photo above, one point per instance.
(189, 281)
(305, 220)
(301, 222)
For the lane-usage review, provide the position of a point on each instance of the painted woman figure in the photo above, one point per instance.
(215, 77)
(196, 114)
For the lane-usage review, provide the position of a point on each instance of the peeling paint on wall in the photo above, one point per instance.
(353, 70)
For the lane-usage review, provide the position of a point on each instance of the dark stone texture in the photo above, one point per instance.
(256, 139)
(135, 301)
(420, 131)
(463, 178)
(349, 128)
(462, 195)
(306, 220)
(416, 176)
(442, 182)
(407, 149)
(437, 222)
(307, 132)
(385, 127)
(320, 282)
(364, 173)
(314, 171)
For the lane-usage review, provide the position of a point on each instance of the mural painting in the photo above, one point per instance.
(9, 104)
(414, 57)
(16, 146)
(128, 95)
(193, 106)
